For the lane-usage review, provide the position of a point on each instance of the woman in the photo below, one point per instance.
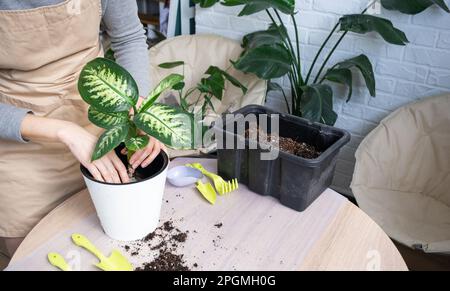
(44, 130)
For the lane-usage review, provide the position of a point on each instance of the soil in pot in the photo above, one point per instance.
(285, 144)
(140, 174)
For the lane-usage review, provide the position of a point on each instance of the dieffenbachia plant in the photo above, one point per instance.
(272, 54)
(113, 95)
(212, 85)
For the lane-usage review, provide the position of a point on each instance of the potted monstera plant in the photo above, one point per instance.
(275, 53)
(130, 211)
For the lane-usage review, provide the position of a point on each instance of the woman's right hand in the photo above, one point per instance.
(82, 143)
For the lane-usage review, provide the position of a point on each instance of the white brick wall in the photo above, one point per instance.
(403, 74)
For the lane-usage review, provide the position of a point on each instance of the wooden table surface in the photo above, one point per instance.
(257, 233)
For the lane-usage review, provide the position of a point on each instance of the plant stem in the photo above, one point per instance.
(286, 100)
(324, 77)
(329, 56)
(287, 42)
(295, 94)
(130, 154)
(338, 43)
(320, 52)
(297, 36)
(189, 92)
(196, 103)
(293, 99)
(182, 89)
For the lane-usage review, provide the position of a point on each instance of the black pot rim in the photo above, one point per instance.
(87, 174)
(344, 139)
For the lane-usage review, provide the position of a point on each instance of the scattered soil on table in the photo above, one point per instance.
(166, 261)
(181, 237)
(168, 226)
(216, 242)
(285, 144)
(167, 240)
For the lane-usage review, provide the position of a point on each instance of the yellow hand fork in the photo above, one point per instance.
(222, 186)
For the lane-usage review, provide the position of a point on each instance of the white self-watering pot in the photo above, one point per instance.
(129, 212)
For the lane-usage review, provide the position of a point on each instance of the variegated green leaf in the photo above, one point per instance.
(109, 140)
(170, 125)
(166, 84)
(107, 86)
(107, 120)
(137, 143)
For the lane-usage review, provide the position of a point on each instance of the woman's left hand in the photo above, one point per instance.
(145, 157)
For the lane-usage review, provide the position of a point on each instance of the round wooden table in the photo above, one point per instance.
(243, 231)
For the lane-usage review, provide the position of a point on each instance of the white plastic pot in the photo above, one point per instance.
(129, 212)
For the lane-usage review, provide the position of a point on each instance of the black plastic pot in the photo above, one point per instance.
(295, 181)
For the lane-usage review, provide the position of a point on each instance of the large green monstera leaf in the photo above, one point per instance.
(253, 6)
(266, 61)
(413, 6)
(361, 24)
(170, 125)
(342, 73)
(107, 86)
(317, 104)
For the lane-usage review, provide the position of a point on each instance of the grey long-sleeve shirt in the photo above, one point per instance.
(128, 41)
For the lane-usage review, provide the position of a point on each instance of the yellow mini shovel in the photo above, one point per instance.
(58, 261)
(207, 190)
(115, 262)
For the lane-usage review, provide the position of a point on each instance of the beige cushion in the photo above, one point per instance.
(402, 175)
(199, 52)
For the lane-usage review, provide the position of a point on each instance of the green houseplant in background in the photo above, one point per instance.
(272, 53)
(200, 97)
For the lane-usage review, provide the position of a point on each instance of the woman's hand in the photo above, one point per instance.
(81, 143)
(146, 156)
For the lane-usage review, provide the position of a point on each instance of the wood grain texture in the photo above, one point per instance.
(354, 242)
(258, 233)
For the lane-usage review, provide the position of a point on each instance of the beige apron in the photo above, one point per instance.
(42, 52)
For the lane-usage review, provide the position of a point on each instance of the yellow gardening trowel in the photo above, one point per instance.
(115, 262)
(58, 261)
(207, 190)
